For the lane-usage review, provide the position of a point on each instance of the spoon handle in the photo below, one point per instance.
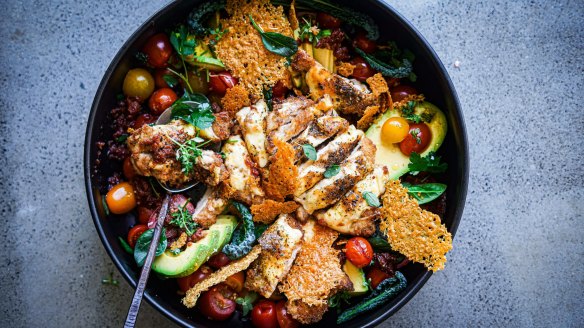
(133, 311)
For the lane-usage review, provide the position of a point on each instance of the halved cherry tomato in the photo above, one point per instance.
(198, 82)
(279, 91)
(376, 276)
(161, 99)
(394, 130)
(362, 70)
(188, 282)
(138, 83)
(264, 315)
(221, 81)
(325, 20)
(218, 260)
(417, 140)
(400, 92)
(359, 251)
(217, 303)
(142, 119)
(144, 214)
(236, 281)
(128, 169)
(158, 50)
(362, 42)
(120, 199)
(135, 233)
(159, 77)
(285, 320)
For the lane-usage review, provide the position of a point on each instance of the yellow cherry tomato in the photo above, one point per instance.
(198, 82)
(138, 83)
(120, 199)
(394, 130)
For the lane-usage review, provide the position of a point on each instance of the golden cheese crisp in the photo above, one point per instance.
(268, 210)
(412, 231)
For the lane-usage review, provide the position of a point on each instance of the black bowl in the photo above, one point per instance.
(433, 81)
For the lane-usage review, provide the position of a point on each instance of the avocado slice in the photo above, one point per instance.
(357, 277)
(390, 154)
(189, 260)
(204, 58)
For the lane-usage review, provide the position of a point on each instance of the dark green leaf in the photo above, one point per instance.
(244, 235)
(194, 109)
(259, 229)
(170, 80)
(122, 138)
(309, 152)
(332, 170)
(105, 207)
(408, 111)
(427, 192)
(246, 302)
(429, 163)
(126, 246)
(371, 199)
(200, 14)
(379, 242)
(338, 299)
(404, 70)
(276, 43)
(268, 97)
(143, 243)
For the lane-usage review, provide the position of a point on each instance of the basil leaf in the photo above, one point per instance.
(125, 245)
(194, 109)
(429, 163)
(143, 243)
(427, 192)
(332, 170)
(276, 43)
(309, 151)
(371, 199)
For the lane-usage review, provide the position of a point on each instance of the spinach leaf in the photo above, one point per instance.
(332, 170)
(243, 236)
(195, 109)
(371, 199)
(143, 243)
(404, 70)
(425, 193)
(379, 242)
(309, 152)
(276, 43)
(429, 163)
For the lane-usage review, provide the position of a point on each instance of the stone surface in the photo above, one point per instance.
(517, 258)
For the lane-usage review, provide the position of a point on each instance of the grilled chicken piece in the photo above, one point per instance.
(253, 125)
(244, 182)
(288, 119)
(208, 208)
(352, 215)
(319, 131)
(353, 169)
(335, 152)
(153, 153)
(280, 244)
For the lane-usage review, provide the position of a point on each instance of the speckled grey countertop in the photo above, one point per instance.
(518, 254)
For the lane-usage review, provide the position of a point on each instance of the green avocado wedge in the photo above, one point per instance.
(390, 154)
(357, 277)
(190, 259)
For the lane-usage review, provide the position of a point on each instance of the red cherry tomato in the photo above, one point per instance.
(159, 77)
(362, 42)
(359, 251)
(264, 315)
(285, 320)
(417, 139)
(188, 282)
(220, 82)
(218, 260)
(143, 119)
(135, 233)
(236, 281)
(325, 20)
(362, 70)
(217, 303)
(376, 276)
(400, 92)
(144, 214)
(279, 91)
(128, 169)
(158, 50)
(161, 99)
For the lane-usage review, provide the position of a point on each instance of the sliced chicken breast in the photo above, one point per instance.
(319, 131)
(244, 182)
(208, 208)
(253, 125)
(288, 119)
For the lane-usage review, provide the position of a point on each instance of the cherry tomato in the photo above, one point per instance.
(376, 276)
(161, 99)
(188, 282)
(279, 91)
(325, 20)
(218, 260)
(359, 251)
(394, 130)
(220, 82)
(362, 42)
(400, 92)
(158, 50)
(217, 303)
(198, 82)
(362, 70)
(236, 281)
(138, 83)
(264, 315)
(159, 77)
(144, 214)
(417, 140)
(128, 169)
(135, 233)
(120, 199)
(142, 119)
(285, 320)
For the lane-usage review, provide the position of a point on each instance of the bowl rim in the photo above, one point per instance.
(90, 129)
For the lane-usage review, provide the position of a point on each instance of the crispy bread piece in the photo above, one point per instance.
(269, 209)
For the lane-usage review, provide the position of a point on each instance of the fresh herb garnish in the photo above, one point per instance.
(404, 70)
(276, 43)
(105, 207)
(310, 33)
(122, 138)
(429, 163)
(332, 170)
(246, 302)
(110, 280)
(425, 193)
(184, 44)
(152, 185)
(408, 111)
(268, 97)
(143, 243)
(125, 245)
(337, 300)
(243, 236)
(188, 152)
(427, 116)
(182, 219)
(371, 199)
(195, 109)
(216, 35)
(379, 242)
(142, 57)
(309, 152)
(415, 133)
(170, 80)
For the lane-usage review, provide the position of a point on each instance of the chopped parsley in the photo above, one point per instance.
(408, 112)
(182, 219)
(429, 163)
